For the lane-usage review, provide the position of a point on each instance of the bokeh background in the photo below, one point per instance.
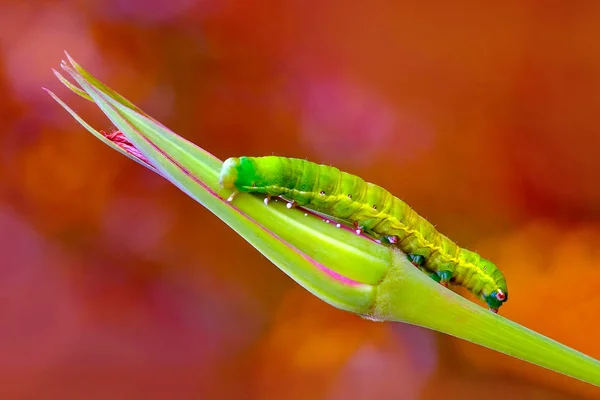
(113, 284)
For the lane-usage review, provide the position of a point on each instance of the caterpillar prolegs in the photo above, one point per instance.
(371, 209)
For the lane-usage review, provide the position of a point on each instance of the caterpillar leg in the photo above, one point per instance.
(417, 260)
(358, 228)
(392, 239)
(267, 199)
(432, 275)
(292, 204)
(230, 198)
(445, 277)
(442, 277)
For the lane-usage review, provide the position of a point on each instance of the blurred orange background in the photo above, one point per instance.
(482, 116)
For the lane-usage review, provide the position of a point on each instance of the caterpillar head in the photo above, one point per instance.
(229, 172)
(495, 299)
(249, 174)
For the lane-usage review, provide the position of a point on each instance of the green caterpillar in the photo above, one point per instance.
(371, 209)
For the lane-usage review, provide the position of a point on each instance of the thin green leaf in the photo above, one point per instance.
(99, 85)
(96, 133)
(73, 88)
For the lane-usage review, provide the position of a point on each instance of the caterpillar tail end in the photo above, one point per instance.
(229, 173)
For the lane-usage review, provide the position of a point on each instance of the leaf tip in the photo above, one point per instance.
(69, 57)
(56, 73)
(50, 93)
(72, 62)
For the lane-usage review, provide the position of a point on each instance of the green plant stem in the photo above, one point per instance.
(406, 295)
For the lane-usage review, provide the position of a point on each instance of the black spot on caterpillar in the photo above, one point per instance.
(371, 209)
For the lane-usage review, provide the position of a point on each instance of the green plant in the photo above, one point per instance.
(343, 269)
